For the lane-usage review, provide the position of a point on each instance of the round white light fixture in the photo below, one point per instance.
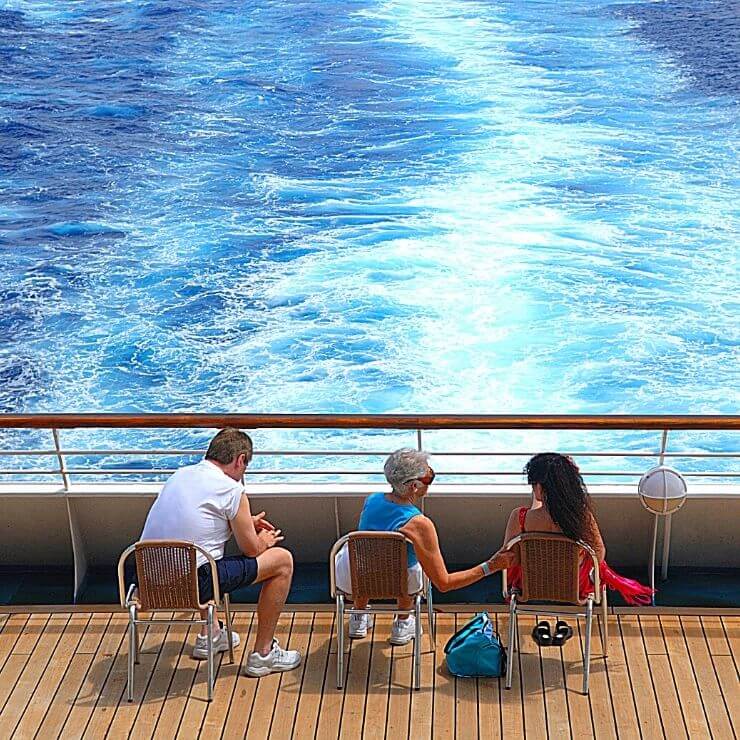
(662, 490)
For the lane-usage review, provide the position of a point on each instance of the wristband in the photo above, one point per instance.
(486, 568)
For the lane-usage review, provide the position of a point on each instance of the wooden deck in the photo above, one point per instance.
(666, 676)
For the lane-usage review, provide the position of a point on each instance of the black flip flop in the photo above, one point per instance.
(541, 634)
(563, 633)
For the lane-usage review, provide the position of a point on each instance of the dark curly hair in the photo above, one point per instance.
(564, 493)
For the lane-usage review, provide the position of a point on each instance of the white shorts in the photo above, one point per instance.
(344, 580)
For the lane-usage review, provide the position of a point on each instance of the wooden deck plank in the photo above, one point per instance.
(332, 698)
(555, 695)
(378, 681)
(95, 686)
(58, 710)
(315, 671)
(639, 673)
(489, 702)
(578, 705)
(266, 695)
(731, 626)
(159, 685)
(113, 714)
(719, 721)
(730, 686)
(291, 682)
(422, 701)
(93, 634)
(690, 702)
(30, 634)
(31, 675)
(176, 699)
(245, 625)
(535, 720)
(12, 629)
(444, 684)
(466, 695)
(52, 676)
(512, 706)
(652, 635)
(353, 709)
(620, 687)
(600, 696)
(716, 637)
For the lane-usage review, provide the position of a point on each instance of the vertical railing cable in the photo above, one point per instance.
(60, 459)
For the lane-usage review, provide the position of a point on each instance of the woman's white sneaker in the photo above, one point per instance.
(220, 643)
(403, 630)
(276, 660)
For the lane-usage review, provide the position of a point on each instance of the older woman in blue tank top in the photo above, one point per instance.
(409, 474)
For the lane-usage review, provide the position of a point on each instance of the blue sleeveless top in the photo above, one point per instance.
(381, 515)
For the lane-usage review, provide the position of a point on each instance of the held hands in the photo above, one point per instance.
(261, 523)
(269, 538)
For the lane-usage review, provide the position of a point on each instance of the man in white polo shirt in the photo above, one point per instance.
(205, 504)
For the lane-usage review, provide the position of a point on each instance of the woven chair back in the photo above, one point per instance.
(550, 565)
(167, 575)
(378, 565)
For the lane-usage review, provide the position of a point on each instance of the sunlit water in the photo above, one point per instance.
(370, 207)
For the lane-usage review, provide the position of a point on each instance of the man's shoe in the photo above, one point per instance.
(358, 624)
(220, 643)
(276, 660)
(403, 630)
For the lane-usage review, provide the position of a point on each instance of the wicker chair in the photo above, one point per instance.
(550, 566)
(167, 575)
(378, 570)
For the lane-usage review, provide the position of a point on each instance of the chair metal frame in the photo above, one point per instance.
(339, 596)
(129, 600)
(597, 596)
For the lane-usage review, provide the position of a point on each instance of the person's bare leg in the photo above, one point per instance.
(274, 572)
(404, 603)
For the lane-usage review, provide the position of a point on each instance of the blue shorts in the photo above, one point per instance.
(234, 572)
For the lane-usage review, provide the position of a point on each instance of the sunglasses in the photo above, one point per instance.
(427, 480)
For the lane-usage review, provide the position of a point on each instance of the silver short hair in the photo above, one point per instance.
(403, 466)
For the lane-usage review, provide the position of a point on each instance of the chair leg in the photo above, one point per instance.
(605, 623)
(587, 647)
(512, 639)
(417, 643)
(340, 641)
(209, 626)
(132, 650)
(227, 609)
(430, 615)
(137, 645)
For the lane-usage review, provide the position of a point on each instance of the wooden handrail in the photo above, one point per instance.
(367, 421)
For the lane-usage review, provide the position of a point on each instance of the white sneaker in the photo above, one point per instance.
(358, 624)
(403, 630)
(276, 660)
(220, 643)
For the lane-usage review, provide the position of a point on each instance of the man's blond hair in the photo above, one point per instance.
(228, 444)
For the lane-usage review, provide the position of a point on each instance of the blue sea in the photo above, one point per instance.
(360, 206)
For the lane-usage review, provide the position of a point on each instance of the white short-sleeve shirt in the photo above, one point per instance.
(195, 504)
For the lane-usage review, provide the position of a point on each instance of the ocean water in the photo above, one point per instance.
(522, 206)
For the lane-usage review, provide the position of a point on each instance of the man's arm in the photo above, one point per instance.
(423, 534)
(250, 542)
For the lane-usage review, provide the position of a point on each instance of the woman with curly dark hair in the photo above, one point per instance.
(561, 504)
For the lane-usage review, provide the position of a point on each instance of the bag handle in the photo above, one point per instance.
(478, 622)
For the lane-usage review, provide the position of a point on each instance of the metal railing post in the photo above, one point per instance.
(667, 524)
(420, 447)
(60, 459)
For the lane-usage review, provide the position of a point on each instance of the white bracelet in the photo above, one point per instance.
(486, 568)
